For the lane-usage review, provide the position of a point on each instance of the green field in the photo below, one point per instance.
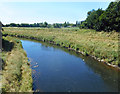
(16, 71)
(101, 45)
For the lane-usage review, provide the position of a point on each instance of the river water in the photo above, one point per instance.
(56, 69)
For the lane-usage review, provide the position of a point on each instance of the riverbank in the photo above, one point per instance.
(57, 69)
(102, 46)
(17, 74)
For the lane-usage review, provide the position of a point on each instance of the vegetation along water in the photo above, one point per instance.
(103, 46)
(97, 37)
(57, 69)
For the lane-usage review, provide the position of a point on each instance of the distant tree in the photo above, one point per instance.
(13, 25)
(92, 18)
(45, 24)
(7, 25)
(31, 25)
(110, 19)
(41, 24)
(77, 23)
(83, 25)
(49, 26)
(24, 25)
(66, 24)
(57, 25)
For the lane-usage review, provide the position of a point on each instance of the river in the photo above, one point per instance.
(56, 69)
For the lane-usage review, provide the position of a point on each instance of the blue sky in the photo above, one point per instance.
(52, 12)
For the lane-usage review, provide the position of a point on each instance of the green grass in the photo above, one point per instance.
(102, 45)
(16, 70)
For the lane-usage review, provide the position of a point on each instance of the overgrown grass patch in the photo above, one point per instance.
(102, 45)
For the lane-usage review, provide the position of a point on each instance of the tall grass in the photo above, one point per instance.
(101, 45)
(16, 71)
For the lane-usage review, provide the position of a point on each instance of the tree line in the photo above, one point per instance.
(44, 25)
(106, 20)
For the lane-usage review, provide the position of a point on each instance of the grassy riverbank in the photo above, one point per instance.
(101, 45)
(16, 68)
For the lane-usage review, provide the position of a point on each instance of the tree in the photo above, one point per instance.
(57, 25)
(77, 23)
(107, 20)
(45, 24)
(83, 25)
(110, 19)
(24, 25)
(13, 25)
(65, 24)
(49, 26)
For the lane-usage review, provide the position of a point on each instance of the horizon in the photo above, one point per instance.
(50, 12)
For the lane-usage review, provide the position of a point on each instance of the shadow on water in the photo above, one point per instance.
(7, 46)
(108, 75)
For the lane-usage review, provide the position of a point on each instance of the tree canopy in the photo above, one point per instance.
(44, 25)
(106, 20)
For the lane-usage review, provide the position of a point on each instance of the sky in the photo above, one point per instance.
(52, 12)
